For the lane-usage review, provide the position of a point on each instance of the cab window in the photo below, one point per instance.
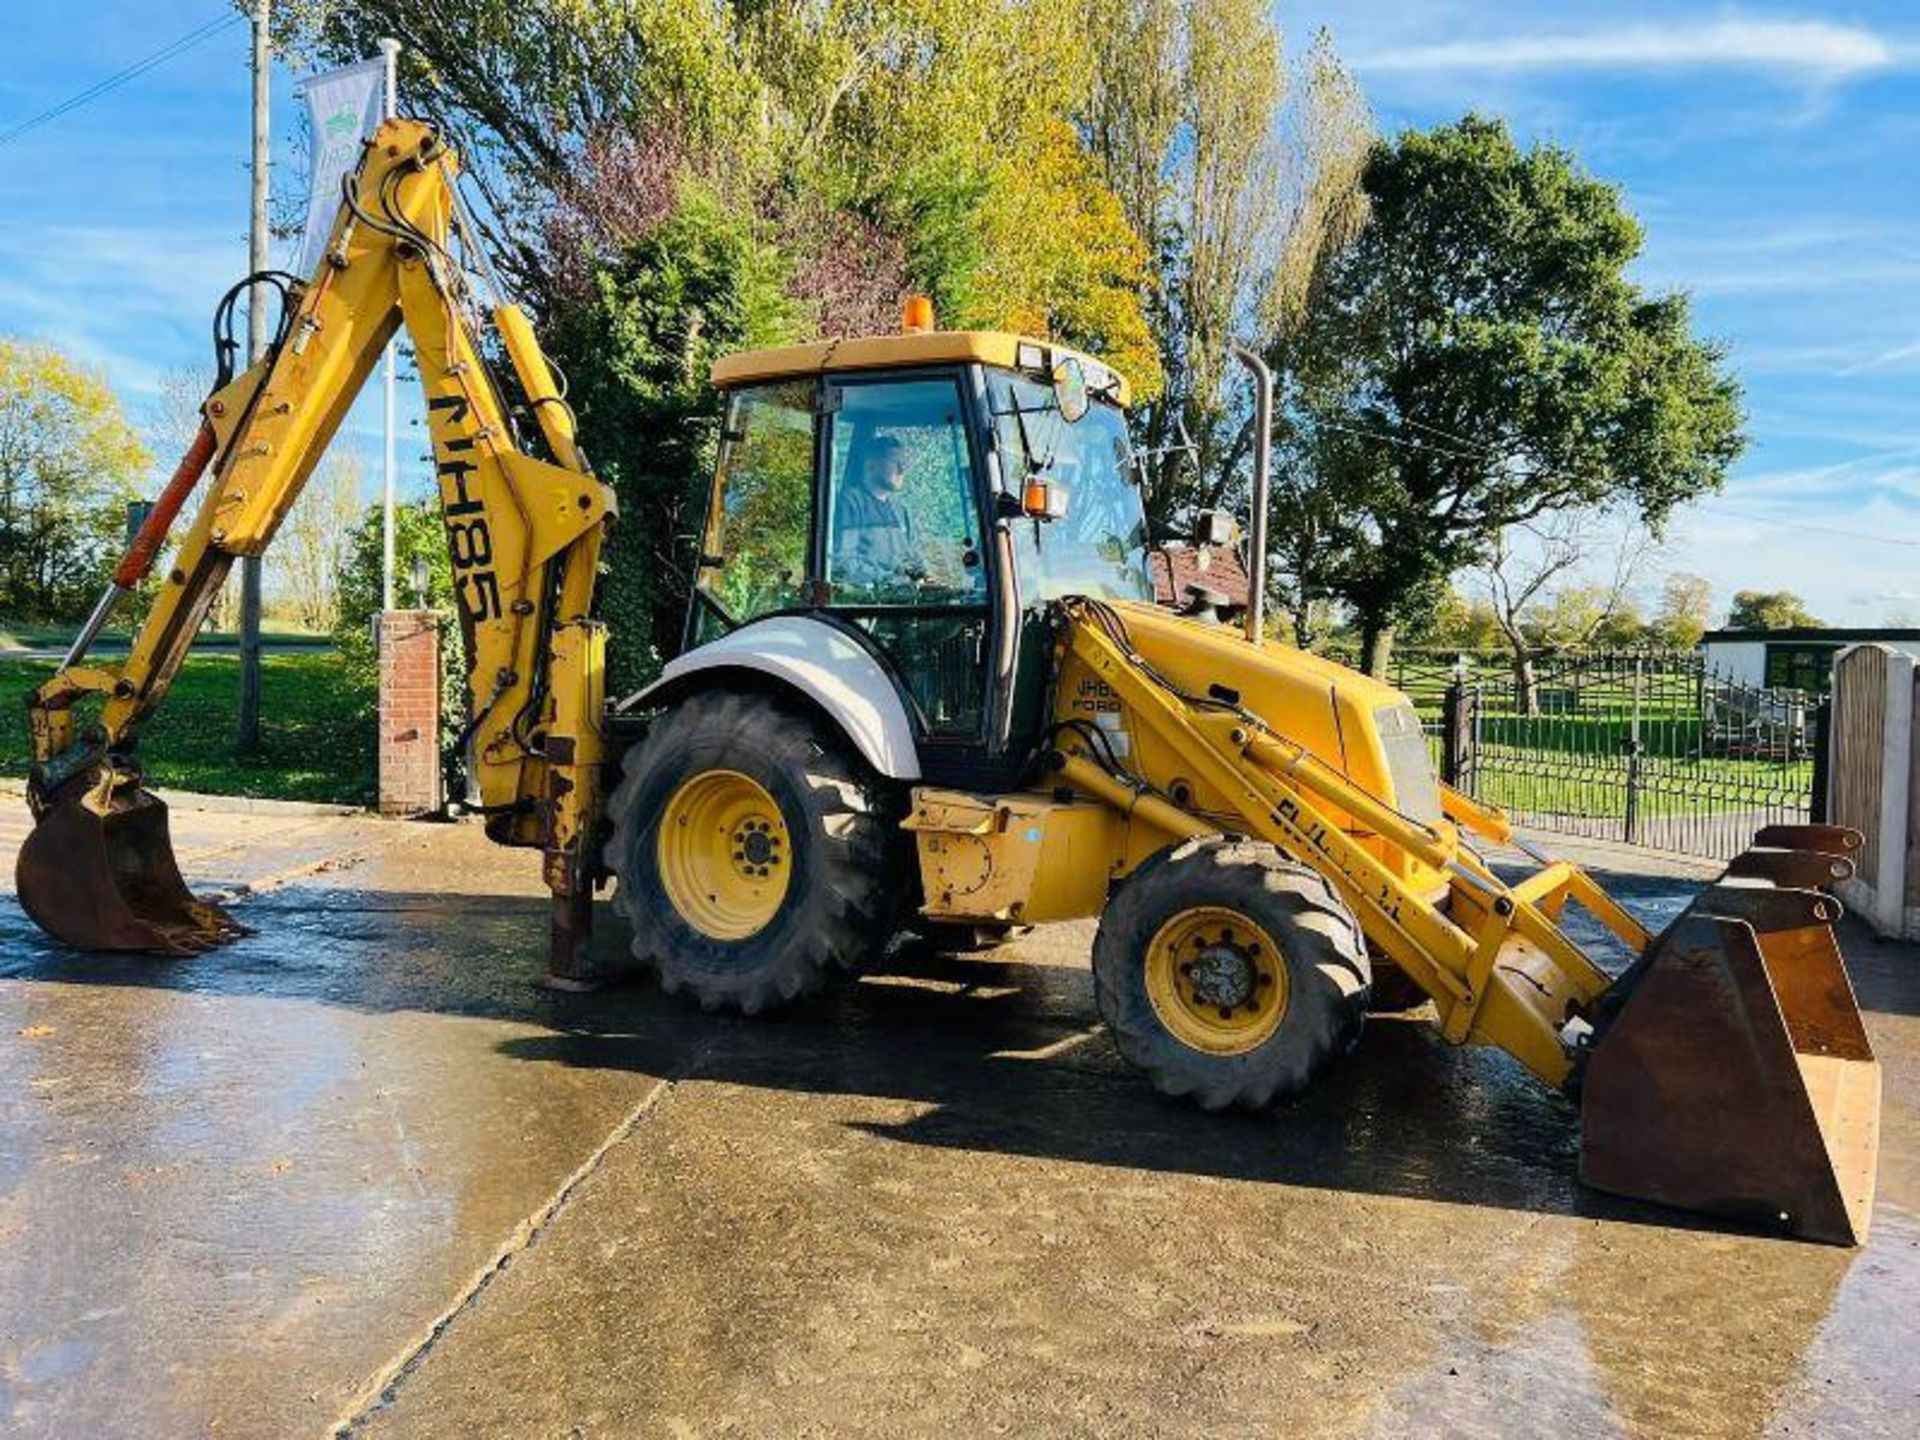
(754, 559)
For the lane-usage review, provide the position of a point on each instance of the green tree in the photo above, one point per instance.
(1475, 358)
(639, 346)
(1770, 610)
(419, 542)
(69, 463)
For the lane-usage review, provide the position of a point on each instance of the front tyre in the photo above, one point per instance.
(1230, 974)
(753, 852)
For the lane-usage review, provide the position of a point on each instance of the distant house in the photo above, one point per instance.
(1178, 569)
(1799, 659)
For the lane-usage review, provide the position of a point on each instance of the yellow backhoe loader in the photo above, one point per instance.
(924, 687)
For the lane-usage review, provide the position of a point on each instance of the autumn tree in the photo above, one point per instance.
(938, 121)
(69, 463)
(664, 181)
(1476, 358)
(1684, 611)
(316, 540)
(1463, 622)
(1237, 171)
(172, 420)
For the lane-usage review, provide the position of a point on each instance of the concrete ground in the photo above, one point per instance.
(355, 1172)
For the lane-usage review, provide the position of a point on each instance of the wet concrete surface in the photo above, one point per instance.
(355, 1170)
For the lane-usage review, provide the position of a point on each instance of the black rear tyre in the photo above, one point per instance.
(1230, 974)
(755, 854)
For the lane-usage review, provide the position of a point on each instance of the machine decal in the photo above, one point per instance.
(469, 542)
(1287, 814)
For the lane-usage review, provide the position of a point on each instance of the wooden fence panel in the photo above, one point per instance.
(1875, 782)
(1856, 758)
(1913, 819)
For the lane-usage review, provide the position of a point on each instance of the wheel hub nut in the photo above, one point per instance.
(1222, 977)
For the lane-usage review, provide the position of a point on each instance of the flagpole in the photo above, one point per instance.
(390, 52)
(247, 737)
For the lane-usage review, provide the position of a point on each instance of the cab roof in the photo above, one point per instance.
(898, 352)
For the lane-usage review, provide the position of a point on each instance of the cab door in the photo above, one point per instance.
(901, 550)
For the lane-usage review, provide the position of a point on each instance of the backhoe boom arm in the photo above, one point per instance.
(524, 534)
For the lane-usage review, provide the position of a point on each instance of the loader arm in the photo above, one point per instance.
(1725, 1069)
(524, 535)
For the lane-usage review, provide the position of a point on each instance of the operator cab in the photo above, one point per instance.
(928, 494)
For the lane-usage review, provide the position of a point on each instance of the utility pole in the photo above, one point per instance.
(390, 52)
(248, 739)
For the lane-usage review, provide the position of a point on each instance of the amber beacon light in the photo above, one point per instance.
(916, 316)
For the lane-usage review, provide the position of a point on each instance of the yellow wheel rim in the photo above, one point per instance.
(1216, 980)
(725, 856)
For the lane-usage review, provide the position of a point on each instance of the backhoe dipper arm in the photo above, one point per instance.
(524, 535)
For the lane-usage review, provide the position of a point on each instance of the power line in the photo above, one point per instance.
(1479, 452)
(1808, 529)
(93, 92)
(1705, 503)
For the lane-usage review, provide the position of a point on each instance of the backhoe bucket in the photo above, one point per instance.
(1730, 1071)
(98, 873)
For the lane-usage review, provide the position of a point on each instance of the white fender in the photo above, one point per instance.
(836, 673)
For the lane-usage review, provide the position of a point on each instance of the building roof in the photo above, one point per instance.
(1175, 567)
(1813, 632)
(895, 352)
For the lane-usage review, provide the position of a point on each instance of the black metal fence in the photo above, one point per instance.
(1653, 749)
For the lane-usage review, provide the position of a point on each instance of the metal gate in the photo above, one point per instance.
(1652, 749)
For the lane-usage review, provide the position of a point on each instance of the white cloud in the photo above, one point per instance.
(1899, 357)
(1810, 47)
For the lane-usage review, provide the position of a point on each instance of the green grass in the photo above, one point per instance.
(58, 637)
(1544, 780)
(318, 744)
(1519, 780)
(1571, 759)
(317, 729)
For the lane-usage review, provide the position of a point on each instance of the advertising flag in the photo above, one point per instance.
(345, 106)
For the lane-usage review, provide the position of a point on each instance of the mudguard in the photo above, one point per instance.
(823, 663)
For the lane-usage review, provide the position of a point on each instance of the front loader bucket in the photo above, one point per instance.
(99, 874)
(1731, 1072)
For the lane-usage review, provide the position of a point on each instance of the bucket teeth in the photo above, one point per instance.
(1730, 1071)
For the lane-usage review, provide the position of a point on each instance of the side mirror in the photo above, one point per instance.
(1212, 527)
(1070, 390)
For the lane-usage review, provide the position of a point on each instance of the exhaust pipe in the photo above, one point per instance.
(1262, 484)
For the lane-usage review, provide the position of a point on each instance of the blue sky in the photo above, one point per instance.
(1772, 152)
(1773, 156)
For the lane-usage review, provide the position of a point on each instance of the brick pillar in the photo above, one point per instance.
(410, 782)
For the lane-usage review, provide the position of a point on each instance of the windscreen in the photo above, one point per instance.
(1409, 765)
(1099, 546)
